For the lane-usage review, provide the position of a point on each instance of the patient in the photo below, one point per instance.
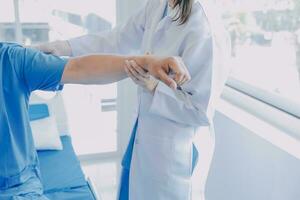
(24, 70)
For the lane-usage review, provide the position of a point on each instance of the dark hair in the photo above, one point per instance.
(184, 11)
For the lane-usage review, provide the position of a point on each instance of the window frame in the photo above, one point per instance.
(267, 113)
(275, 100)
(261, 119)
(18, 25)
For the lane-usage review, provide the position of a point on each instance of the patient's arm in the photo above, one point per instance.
(103, 69)
(94, 69)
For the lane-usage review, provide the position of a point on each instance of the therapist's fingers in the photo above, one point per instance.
(187, 75)
(181, 79)
(178, 69)
(130, 75)
(139, 69)
(184, 80)
(178, 78)
(132, 71)
(161, 75)
(127, 70)
(181, 82)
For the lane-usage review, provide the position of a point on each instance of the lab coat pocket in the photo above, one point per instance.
(156, 154)
(182, 159)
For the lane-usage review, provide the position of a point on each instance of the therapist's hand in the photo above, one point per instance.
(140, 76)
(170, 70)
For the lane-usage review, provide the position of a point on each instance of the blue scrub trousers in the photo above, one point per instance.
(126, 162)
(31, 190)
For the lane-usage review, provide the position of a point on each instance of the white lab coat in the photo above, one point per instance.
(169, 121)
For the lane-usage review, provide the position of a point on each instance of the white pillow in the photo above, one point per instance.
(45, 134)
(56, 107)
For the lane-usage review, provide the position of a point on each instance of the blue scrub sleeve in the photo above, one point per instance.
(39, 71)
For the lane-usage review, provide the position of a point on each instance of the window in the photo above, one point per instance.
(7, 17)
(91, 110)
(265, 38)
(44, 20)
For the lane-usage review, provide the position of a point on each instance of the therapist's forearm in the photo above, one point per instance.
(98, 69)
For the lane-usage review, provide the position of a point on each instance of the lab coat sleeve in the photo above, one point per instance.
(192, 106)
(125, 39)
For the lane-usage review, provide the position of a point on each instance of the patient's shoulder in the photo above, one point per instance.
(11, 54)
(8, 45)
(8, 50)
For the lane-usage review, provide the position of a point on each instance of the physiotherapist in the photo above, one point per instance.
(23, 71)
(162, 154)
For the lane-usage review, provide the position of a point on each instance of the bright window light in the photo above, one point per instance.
(265, 38)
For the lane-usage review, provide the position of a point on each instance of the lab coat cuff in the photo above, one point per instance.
(178, 95)
(163, 88)
(162, 91)
(167, 102)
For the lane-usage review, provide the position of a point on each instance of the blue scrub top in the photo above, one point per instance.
(21, 72)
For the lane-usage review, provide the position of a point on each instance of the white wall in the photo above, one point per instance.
(246, 167)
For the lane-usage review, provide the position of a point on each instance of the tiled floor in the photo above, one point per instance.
(104, 176)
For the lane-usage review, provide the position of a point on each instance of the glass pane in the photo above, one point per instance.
(92, 117)
(91, 110)
(7, 18)
(266, 44)
(45, 20)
